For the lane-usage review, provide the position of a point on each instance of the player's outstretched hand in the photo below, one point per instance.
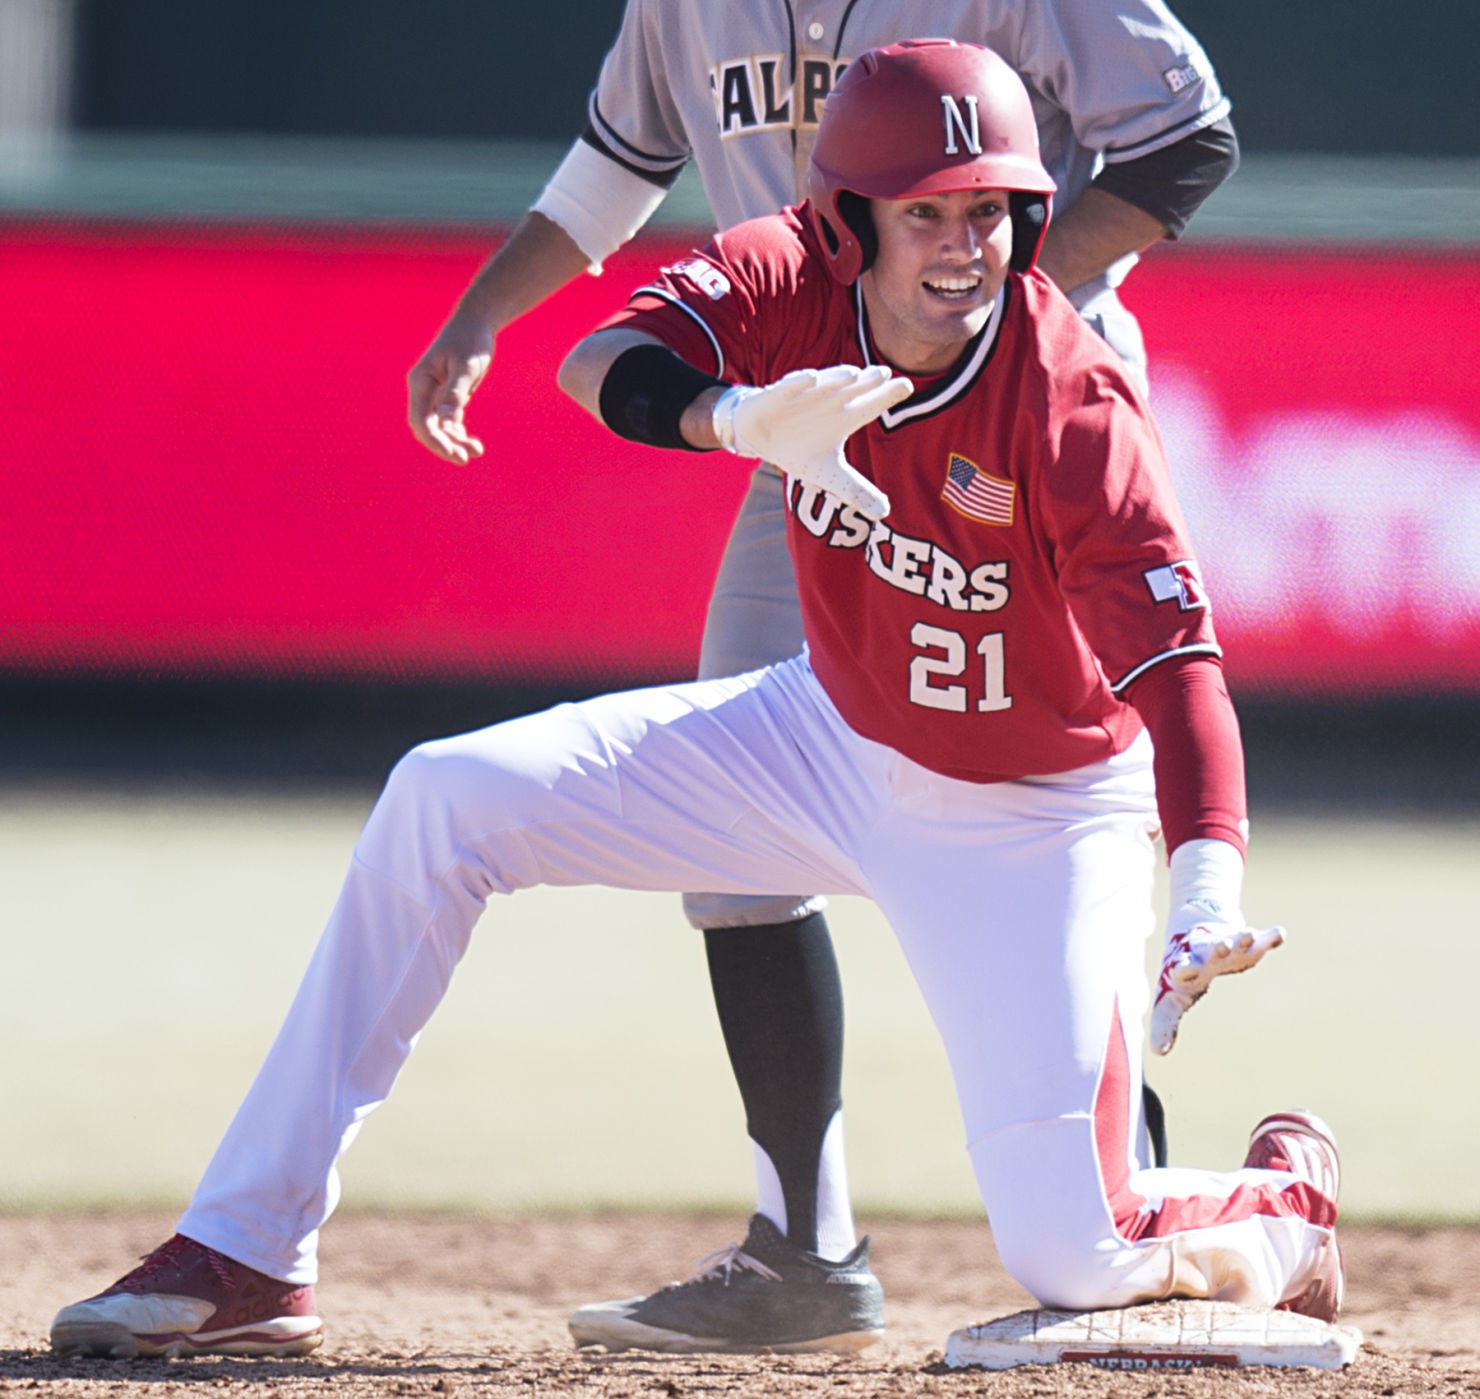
(1198, 949)
(440, 384)
(801, 422)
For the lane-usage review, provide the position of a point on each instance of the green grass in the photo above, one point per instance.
(153, 944)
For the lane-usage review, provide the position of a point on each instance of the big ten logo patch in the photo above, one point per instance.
(1180, 78)
(704, 275)
(762, 93)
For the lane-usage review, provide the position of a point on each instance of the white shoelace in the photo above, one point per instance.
(725, 1262)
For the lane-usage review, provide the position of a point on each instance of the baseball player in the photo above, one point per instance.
(1134, 130)
(1001, 611)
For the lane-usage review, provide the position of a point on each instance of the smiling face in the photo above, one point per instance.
(940, 266)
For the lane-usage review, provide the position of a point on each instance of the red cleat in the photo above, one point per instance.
(187, 1299)
(1300, 1143)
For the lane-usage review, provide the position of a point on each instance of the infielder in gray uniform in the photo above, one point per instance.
(1135, 131)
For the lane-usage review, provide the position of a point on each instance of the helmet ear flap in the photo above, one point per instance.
(1028, 211)
(854, 210)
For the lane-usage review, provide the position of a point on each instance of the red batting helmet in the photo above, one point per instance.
(924, 116)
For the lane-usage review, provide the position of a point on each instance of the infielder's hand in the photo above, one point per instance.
(440, 385)
(1201, 944)
(801, 422)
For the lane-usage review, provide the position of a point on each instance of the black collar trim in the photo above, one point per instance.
(951, 385)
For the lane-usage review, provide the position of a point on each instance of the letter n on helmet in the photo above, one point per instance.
(924, 116)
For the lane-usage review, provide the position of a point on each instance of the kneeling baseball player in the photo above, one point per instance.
(1011, 684)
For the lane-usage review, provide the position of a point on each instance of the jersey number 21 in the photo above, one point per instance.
(930, 674)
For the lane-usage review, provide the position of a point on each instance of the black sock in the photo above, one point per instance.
(780, 1004)
(1156, 1123)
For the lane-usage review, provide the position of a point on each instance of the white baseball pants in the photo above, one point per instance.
(1022, 908)
(754, 620)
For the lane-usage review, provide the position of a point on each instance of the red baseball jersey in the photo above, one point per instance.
(1034, 562)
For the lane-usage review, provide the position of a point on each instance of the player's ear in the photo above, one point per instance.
(855, 212)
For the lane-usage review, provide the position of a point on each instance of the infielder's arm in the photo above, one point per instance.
(589, 208)
(1093, 234)
(1134, 203)
(538, 259)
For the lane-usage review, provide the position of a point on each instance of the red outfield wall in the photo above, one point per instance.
(207, 472)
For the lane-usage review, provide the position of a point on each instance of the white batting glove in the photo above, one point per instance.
(1203, 941)
(801, 422)
(1206, 934)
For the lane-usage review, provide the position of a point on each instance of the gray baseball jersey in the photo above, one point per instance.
(738, 88)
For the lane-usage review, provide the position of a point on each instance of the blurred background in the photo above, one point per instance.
(233, 589)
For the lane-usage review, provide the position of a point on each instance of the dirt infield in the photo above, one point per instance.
(447, 1306)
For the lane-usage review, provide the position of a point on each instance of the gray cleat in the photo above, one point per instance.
(763, 1295)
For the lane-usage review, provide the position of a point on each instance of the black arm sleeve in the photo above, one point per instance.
(645, 392)
(1171, 183)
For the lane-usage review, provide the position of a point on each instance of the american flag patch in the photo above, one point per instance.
(978, 496)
